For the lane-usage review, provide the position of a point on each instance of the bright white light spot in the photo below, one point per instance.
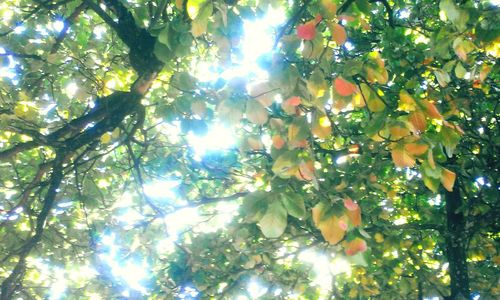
(19, 29)
(188, 293)
(321, 267)
(339, 266)
(400, 221)
(59, 286)
(255, 289)
(435, 200)
(133, 273)
(349, 46)
(218, 138)
(71, 89)
(58, 25)
(258, 39)
(99, 31)
(161, 190)
(342, 159)
(480, 180)
(404, 14)
(177, 221)
(130, 217)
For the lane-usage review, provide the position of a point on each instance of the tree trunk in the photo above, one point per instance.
(455, 238)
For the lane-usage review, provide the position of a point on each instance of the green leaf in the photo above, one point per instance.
(274, 222)
(294, 204)
(442, 77)
(194, 7)
(162, 52)
(254, 206)
(460, 71)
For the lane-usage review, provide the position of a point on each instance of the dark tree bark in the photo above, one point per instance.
(455, 238)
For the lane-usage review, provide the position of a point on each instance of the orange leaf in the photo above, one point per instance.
(448, 179)
(293, 101)
(344, 87)
(416, 149)
(398, 132)
(350, 205)
(330, 7)
(355, 246)
(401, 158)
(278, 142)
(305, 171)
(338, 33)
(307, 31)
(354, 216)
(432, 111)
(417, 119)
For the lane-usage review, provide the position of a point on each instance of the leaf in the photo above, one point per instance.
(354, 216)
(442, 77)
(285, 165)
(338, 34)
(256, 113)
(278, 142)
(431, 110)
(199, 108)
(106, 138)
(329, 8)
(230, 111)
(401, 158)
(193, 7)
(330, 228)
(254, 206)
(406, 102)
(431, 183)
(357, 245)
(343, 87)
(294, 204)
(416, 149)
(417, 119)
(305, 171)
(350, 205)
(307, 31)
(317, 84)
(448, 179)
(274, 222)
(460, 71)
(322, 127)
(298, 130)
(162, 52)
(262, 92)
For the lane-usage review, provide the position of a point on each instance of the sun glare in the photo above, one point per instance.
(217, 138)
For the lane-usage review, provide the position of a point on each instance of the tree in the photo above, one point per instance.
(358, 160)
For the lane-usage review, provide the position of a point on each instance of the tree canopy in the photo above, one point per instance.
(225, 149)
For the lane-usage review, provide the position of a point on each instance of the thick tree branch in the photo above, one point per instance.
(13, 281)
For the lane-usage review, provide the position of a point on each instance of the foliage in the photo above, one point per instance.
(358, 158)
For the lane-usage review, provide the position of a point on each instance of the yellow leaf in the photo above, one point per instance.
(322, 127)
(106, 138)
(448, 179)
(330, 228)
(406, 102)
